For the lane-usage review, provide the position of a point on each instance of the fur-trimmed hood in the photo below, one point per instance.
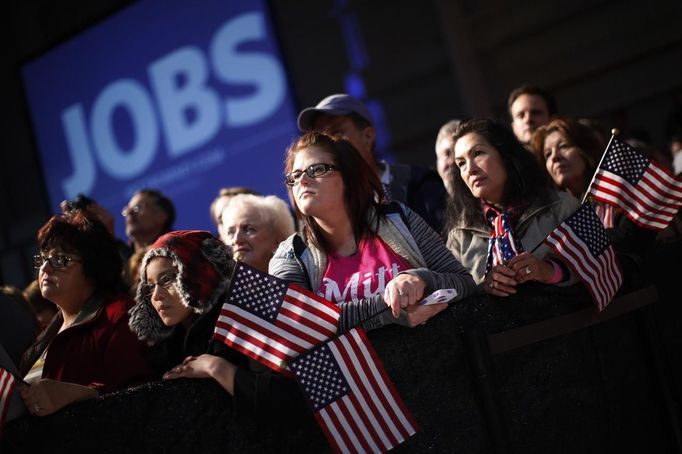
(204, 267)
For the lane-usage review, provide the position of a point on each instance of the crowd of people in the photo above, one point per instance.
(373, 238)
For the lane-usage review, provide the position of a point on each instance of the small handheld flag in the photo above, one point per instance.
(7, 383)
(582, 243)
(645, 191)
(352, 398)
(272, 321)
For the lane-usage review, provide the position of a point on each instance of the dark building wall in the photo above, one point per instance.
(422, 62)
(618, 62)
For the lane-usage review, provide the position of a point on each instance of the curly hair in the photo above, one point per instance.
(273, 213)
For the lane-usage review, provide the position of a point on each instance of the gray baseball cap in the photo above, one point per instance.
(338, 104)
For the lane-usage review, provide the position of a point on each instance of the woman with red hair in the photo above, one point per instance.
(87, 349)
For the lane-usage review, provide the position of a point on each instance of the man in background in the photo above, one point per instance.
(445, 159)
(530, 107)
(344, 116)
(148, 215)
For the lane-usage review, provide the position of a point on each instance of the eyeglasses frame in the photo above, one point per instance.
(49, 259)
(308, 171)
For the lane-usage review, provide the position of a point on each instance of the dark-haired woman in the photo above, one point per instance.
(87, 349)
(500, 183)
(355, 252)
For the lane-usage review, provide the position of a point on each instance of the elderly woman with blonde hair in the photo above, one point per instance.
(253, 226)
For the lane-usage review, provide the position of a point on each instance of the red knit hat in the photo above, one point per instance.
(204, 266)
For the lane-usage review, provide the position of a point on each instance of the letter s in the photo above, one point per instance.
(259, 69)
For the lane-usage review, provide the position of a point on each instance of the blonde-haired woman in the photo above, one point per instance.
(253, 226)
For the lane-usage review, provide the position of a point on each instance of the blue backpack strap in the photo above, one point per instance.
(393, 207)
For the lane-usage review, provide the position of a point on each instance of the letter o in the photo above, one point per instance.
(132, 96)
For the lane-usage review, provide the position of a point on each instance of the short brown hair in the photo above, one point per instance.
(533, 90)
(164, 203)
(80, 232)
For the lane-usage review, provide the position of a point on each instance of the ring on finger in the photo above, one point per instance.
(492, 284)
(527, 270)
(400, 293)
(36, 407)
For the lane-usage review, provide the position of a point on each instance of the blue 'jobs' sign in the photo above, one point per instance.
(185, 97)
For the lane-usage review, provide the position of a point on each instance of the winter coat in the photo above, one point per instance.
(98, 350)
(469, 243)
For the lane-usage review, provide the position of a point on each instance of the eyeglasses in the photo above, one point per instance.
(313, 171)
(56, 261)
(131, 210)
(165, 282)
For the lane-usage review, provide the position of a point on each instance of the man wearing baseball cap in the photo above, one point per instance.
(344, 116)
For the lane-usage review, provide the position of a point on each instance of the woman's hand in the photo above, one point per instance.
(402, 291)
(528, 267)
(500, 281)
(205, 366)
(46, 396)
(418, 314)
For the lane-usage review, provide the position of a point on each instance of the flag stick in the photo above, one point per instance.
(20, 380)
(614, 133)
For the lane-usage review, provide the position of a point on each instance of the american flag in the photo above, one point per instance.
(645, 191)
(7, 382)
(352, 398)
(272, 321)
(502, 246)
(606, 214)
(582, 242)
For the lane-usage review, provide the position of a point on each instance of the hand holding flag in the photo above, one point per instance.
(582, 243)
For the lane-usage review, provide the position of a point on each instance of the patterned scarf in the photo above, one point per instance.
(502, 245)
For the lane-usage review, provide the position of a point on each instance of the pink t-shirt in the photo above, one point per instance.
(363, 274)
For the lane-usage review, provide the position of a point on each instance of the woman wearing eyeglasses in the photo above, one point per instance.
(183, 279)
(183, 276)
(354, 251)
(87, 349)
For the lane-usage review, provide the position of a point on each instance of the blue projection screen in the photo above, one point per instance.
(185, 97)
